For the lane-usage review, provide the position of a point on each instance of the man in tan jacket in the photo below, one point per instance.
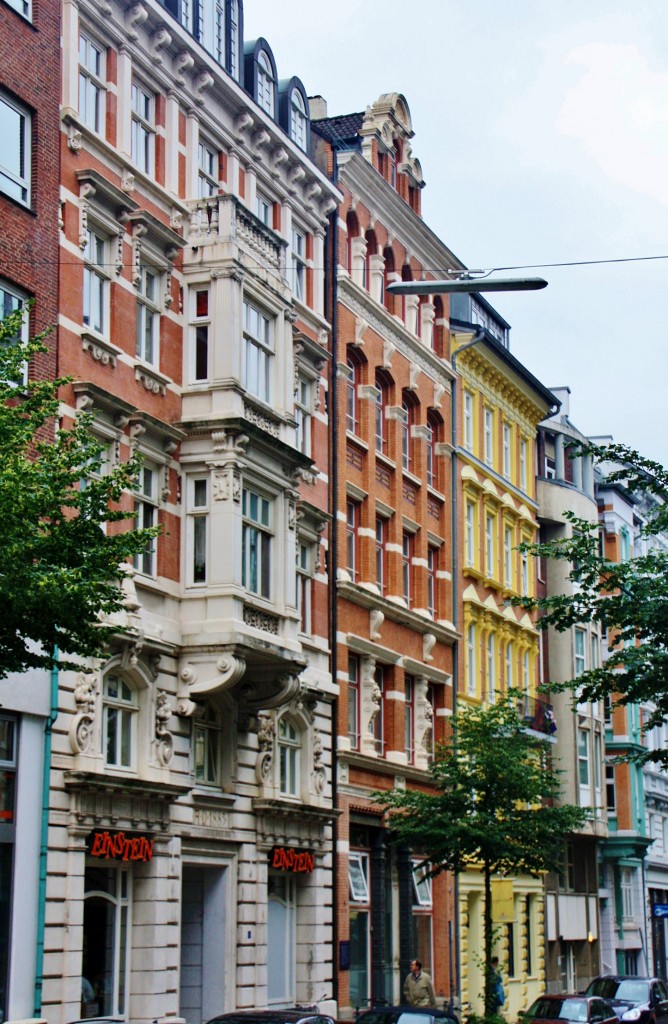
(418, 989)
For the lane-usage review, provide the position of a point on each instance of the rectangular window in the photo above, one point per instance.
(10, 302)
(469, 538)
(422, 896)
(146, 515)
(491, 668)
(352, 526)
(304, 586)
(95, 283)
(524, 561)
(468, 421)
(198, 509)
(207, 171)
(219, 32)
(490, 530)
(303, 414)
(354, 701)
(510, 658)
(506, 451)
(580, 664)
(358, 876)
(583, 757)
(258, 353)
(15, 132)
(598, 758)
(299, 264)
(143, 128)
(409, 718)
(610, 794)
(471, 661)
(22, 6)
(432, 583)
(489, 437)
(256, 543)
(528, 931)
(264, 210)
(628, 903)
(92, 88)
(148, 315)
(407, 567)
(381, 527)
(508, 556)
(511, 949)
(523, 465)
(199, 336)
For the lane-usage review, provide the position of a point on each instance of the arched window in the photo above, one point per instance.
(119, 721)
(409, 409)
(289, 749)
(206, 747)
(352, 231)
(389, 300)
(434, 437)
(298, 119)
(352, 386)
(383, 384)
(265, 83)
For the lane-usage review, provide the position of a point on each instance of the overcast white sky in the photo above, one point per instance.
(542, 130)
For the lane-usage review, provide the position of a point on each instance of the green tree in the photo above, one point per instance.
(629, 598)
(64, 547)
(494, 807)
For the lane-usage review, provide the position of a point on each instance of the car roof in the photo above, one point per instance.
(389, 1011)
(268, 1016)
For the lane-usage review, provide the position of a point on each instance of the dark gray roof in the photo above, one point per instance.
(344, 128)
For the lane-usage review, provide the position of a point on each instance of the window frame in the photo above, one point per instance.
(299, 263)
(20, 298)
(18, 180)
(207, 170)
(265, 84)
(353, 516)
(199, 327)
(298, 119)
(407, 574)
(208, 726)
(468, 406)
(147, 515)
(143, 128)
(126, 710)
(304, 585)
(359, 887)
(471, 661)
(96, 279)
(256, 531)
(197, 515)
(93, 81)
(488, 419)
(148, 314)
(289, 750)
(381, 553)
(354, 696)
(409, 717)
(258, 379)
(506, 435)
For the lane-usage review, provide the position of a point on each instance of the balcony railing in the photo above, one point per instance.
(537, 714)
(221, 219)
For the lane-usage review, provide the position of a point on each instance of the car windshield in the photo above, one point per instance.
(633, 991)
(398, 1017)
(564, 1009)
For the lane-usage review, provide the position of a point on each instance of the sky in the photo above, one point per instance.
(542, 132)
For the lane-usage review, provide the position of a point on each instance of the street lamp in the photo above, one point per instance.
(467, 284)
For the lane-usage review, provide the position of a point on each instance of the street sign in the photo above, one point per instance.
(660, 909)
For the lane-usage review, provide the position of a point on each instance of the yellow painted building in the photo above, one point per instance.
(499, 407)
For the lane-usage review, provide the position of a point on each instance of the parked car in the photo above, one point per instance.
(405, 1015)
(583, 1009)
(644, 1000)
(300, 1015)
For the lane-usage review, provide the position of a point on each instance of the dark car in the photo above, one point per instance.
(583, 1009)
(301, 1015)
(405, 1015)
(644, 1000)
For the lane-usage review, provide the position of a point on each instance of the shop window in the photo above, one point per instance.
(119, 722)
(207, 747)
(106, 942)
(421, 916)
(289, 749)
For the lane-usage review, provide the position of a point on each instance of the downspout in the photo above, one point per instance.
(478, 337)
(331, 269)
(44, 837)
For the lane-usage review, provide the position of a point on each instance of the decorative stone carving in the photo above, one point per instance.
(128, 181)
(203, 82)
(428, 641)
(182, 65)
(414, 372)
(161, 39)
(74, 138)
(361, 326)
(376, 619)
(260, 620)
(262, 420)
(136, 16)
(229, 441)
(185, 708)
(165, 741)
(101, 351)
(370, 704)
(266, 731)
(319, 774)
(138, 232)
(388, 351)
(150, 381)
(86, 193)
(242, 123)
(226, 485)
(424, 723)
(278, 158)
(81, 726)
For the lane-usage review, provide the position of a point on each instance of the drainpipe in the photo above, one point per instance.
(478, 337)
(44, 837)
(331, 269)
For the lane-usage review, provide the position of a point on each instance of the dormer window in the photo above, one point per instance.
(265, 83)
(297, 119)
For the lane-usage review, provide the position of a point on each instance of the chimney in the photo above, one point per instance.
(317, 107)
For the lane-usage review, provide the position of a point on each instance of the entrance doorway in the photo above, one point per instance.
(203, 952)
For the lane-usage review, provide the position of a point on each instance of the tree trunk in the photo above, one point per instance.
(488, 936)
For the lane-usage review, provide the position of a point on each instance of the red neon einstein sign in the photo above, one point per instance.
(123, 846)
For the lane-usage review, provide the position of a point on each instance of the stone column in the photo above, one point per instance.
(172, 148)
